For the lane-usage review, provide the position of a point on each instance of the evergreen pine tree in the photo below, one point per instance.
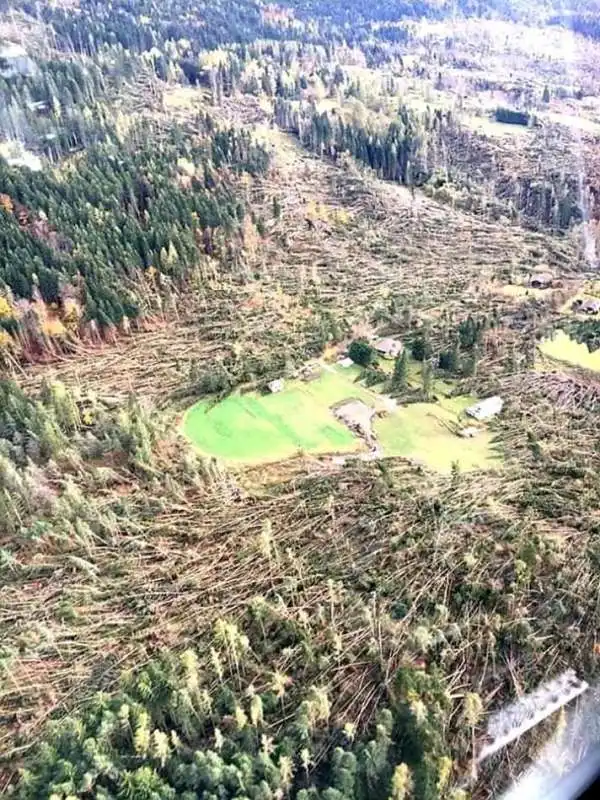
(400, 374)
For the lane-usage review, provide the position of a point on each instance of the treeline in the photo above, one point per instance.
(587, 23)
(144, 24)
(348, 13)
(184, 29)
(177, 37)
(181, 30)
(123, 212)
(398, 152)
(293, 70)
(344, 13)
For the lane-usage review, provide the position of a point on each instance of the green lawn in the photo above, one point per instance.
(562, 348)
(253, 428)
(420, 431)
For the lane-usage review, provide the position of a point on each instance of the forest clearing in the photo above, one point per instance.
(252, 428)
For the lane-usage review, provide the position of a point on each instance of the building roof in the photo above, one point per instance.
(10, 50)
(487, 408)
(541, 277)
(387, 345)
(592, 305)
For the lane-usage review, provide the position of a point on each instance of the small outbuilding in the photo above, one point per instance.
(541, 280)
(590, 306)
(276, 386)
(485, 409)
(345, 362)
(388, 348)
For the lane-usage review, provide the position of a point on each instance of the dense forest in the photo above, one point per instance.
(125, 214)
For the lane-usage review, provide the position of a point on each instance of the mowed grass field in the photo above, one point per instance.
(562, 348)
(425, 432)
(252, 428)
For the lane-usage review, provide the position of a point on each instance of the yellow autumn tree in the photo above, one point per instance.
(6, 203)
(6, 311)
(5, 341)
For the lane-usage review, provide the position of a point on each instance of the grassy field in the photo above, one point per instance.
(519, 290)
(253, 428)
(574, 121)
(562, 348)
(423, 431)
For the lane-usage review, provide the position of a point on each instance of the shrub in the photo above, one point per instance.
(361, 352)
